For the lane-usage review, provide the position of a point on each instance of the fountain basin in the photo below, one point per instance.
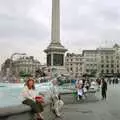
(23, 112)
(10, 93)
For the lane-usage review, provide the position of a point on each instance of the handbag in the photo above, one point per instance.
(39, 99)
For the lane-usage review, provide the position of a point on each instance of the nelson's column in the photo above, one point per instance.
(55, 51)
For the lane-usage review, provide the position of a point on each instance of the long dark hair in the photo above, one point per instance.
(27, 83)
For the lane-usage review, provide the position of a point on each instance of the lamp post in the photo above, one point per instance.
(11, 59)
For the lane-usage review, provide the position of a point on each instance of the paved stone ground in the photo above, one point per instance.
(96, 110)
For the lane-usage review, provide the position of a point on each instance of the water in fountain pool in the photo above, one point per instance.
(9, 93)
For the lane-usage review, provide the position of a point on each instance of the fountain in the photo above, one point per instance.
(11, 107)
(9, 93)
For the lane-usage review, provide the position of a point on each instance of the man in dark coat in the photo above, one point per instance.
(104, 89)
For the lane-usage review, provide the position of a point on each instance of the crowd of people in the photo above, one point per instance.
(82, 86)
(113, 81)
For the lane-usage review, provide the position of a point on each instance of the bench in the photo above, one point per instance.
(90, 93)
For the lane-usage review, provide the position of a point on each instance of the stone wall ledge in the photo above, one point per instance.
(23, 112)
(12, 110)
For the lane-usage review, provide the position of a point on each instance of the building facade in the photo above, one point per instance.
(98, 62)
(74, 64)
(91, 62)
(27, 65)
(109, 61)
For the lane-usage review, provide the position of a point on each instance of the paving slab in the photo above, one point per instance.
(96, 110)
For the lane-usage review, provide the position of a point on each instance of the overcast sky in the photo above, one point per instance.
(85, 24)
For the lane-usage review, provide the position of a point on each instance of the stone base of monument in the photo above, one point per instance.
(60, 70)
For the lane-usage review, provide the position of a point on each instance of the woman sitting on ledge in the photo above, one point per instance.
(30, 98)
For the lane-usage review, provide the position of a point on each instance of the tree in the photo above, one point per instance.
(40, 73)
(24, 74)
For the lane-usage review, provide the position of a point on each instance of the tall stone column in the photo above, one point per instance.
(55, 27)
(55, 51)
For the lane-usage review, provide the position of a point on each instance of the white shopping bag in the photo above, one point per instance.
(80, 92)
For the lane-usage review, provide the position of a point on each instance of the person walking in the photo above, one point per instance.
(87, 84)
(113, 81)
(110, 81)
(79, 89)
(104, 89)
(31, 98)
